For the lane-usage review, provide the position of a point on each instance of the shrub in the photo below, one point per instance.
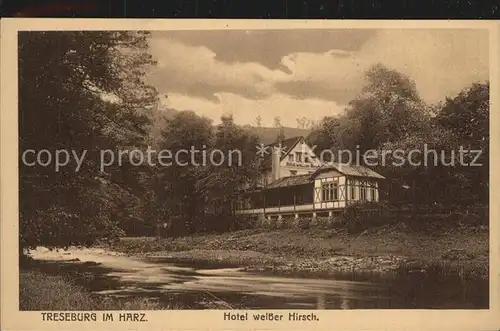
(273, 224)
(360, 216)
(266, 223)
(242, 222)
(335, 222)
(438, 216)
(177, 227)
(294, 223)
(304, 223)
(57, 227)
(226, 222)
(280, 223)
(287, 222)
(323, 222)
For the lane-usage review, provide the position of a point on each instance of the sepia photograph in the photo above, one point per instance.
(286, 171)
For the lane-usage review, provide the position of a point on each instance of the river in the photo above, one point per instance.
(198, 286)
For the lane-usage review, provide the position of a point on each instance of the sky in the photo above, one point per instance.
(311, 73)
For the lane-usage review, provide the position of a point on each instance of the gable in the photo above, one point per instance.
(287, 145)
(328, 174)
(350, 170)
(299, 155)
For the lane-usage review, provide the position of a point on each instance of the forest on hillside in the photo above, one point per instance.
(86, 91)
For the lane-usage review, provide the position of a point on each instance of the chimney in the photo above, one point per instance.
(281, 135)
(275, 169)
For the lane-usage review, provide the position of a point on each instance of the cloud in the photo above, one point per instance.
(333, 75)
(441, 62)
(268, 47)
(246, 110)
(307, 80)
(195, 71)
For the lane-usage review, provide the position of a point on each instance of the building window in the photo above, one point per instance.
(362, 193)
(352, 189)
(291, 157)
(299, 156)
(330, 191)
(373, 194)
(293, 172)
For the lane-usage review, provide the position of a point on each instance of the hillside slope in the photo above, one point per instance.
(268, 135)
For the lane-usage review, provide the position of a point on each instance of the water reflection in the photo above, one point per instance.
(320, 303)
(198, 285)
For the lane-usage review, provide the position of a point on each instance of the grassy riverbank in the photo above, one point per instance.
(378, 249)
(41, 291)
(46, 285)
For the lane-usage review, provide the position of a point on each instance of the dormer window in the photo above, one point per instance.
(291, 157)
(299, 157)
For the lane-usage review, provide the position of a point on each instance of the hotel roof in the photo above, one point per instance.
(347, 170)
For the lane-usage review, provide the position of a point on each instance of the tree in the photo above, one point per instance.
(416, 161)
(389, 116)
(466, 116)
(301, 122)
(176, 185)
(305, 123)
(461, 123)
(387, 110)
(258, 121)
(207, 185)
(222, 183)
(277, 122)
(79, 91)
(329, 136)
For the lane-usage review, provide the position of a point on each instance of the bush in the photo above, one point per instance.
(273, 224)
(360, 216)
(323, 222)
(225, 222)
(177, 226)
(304, 223)
(435, 222)
(280, 223)
(266, 223)
(287, 222)
(57, 227)
(243, 222)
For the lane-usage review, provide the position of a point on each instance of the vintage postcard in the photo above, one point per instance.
(237, 175)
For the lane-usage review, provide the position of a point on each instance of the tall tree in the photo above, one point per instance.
(258, 121)
(388, 109)
(222, 183)
(441, 173)
(176, 190)
(466, 116)
(79, 91)
(277, 122)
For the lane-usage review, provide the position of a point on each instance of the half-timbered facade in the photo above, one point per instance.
(319, 190)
